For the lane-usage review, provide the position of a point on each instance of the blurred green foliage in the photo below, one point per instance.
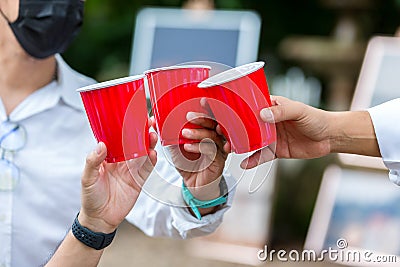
(102, 50)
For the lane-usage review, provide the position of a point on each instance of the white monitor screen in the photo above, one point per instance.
(379, 76)
(218, 45)
(165, 36)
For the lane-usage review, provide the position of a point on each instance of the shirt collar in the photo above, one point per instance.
(69, 81)
(63, 90)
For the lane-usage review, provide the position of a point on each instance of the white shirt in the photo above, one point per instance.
(37, 214)
(387, 130)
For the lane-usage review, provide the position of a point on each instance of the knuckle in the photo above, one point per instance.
(89, 160)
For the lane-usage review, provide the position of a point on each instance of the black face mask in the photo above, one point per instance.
(44, 27)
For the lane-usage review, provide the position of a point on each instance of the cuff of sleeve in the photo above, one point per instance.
(189, 226)
(383, 117)
(394, 177)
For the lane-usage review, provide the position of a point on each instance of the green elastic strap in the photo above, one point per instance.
(195, 203)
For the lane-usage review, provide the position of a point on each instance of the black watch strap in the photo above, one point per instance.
(91, 239)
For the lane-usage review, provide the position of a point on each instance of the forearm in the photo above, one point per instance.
(72, 252)
(353, 132)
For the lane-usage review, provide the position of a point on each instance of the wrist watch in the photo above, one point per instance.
(195, 203)
(91, 239)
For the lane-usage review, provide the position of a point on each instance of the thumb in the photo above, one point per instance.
(261, 156)
(93, 163)
(285, 109)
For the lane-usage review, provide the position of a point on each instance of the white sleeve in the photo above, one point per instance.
(161, 211)
(387, 130)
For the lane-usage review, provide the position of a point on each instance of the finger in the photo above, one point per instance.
(205, 135)
(199, 134)
(285, 109)
(201, 119)
(140, 168)
(258, 158)
(227, 148)
(153, 140)
(267, 115)
(192, 148)
(205, 105)
(207, 148)
(153, 157)
(144, 171)
(220, 132)
(274, 100)
(93, 163)
(277, 100)
(152, 122)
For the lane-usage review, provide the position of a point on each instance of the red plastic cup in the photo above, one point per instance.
(173, 93)
(236, 97)
(118, 116)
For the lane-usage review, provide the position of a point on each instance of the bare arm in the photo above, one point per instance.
(72, 252)
(353, 132)
(305, 132)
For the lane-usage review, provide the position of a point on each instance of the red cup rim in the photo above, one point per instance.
(231, 74)
(178, 67)
(109, 83)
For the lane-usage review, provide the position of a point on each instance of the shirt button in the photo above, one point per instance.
(2, 219)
